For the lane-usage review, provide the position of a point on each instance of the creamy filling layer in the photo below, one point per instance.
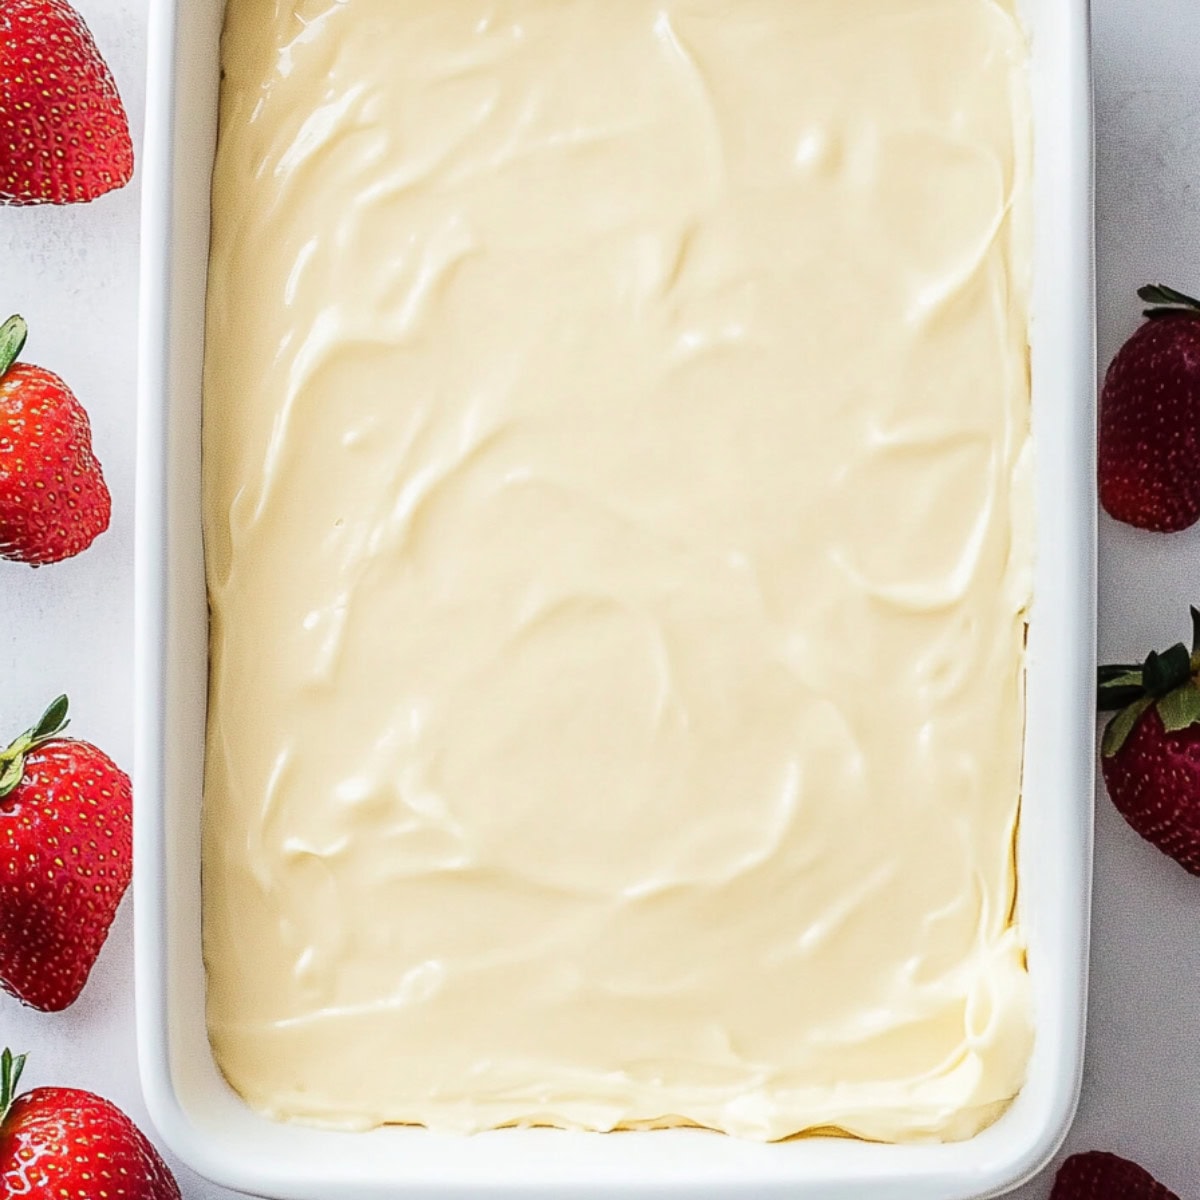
(618, 534)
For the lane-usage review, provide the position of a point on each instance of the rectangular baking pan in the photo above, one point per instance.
(198, 1115)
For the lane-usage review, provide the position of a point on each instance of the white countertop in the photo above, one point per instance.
(73, 274)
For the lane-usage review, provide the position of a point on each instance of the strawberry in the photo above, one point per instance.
(62, 1144)
(1100, 1176)
(1150, 418)
(64, 135)
(66, 849)
(53, 499)
(1150, 754)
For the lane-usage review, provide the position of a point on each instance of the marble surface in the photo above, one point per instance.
(73, 274)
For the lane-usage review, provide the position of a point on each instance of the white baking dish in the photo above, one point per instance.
(205, 1123)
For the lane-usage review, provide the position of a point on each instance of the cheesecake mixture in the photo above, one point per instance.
(618, 519)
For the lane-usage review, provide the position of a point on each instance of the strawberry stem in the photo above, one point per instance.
(13, 333)
(12, 761)
(1166, 300)
(11, 1067)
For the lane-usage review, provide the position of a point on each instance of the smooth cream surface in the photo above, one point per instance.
(618, 526)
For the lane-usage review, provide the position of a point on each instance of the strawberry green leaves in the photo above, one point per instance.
(11, 1067)
(1118, 686)
(1168, 670)
(1121, 726)
(1180, 708)
(1166, 300)
(1166, 681)
(12, 761)
(13, 334)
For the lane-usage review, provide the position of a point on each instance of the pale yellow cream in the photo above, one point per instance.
(619, 539)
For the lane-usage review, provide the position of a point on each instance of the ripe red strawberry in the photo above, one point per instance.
(1151, 750)
(62, 1144)
(1100, 1176)
(53, 499)
(1150, 418)
(64, 135)
(66, 849)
